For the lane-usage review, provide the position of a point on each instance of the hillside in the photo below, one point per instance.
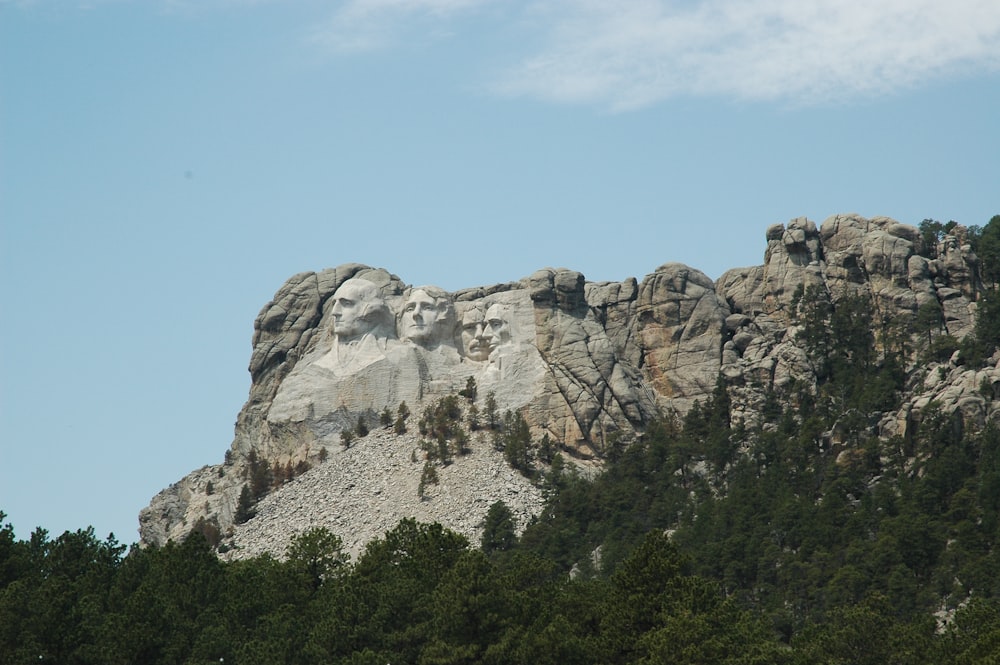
(829, 493)
(590, 365)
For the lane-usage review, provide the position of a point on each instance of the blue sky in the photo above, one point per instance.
(166, 164)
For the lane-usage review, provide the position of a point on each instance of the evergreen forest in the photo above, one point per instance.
(705, 540)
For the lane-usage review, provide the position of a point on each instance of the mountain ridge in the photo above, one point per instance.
(587, 364)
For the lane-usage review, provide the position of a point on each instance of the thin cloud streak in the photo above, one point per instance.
(638, 53)
(627, 55)
(635, 53)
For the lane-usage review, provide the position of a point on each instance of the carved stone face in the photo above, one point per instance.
(475, 342)
(422, 318)
(483, 333)
(497, 330)
(356, 305)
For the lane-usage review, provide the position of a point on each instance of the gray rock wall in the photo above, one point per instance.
(584, 362)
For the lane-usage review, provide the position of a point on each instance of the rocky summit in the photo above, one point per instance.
(339, 356)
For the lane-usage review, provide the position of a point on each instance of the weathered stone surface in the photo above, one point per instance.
(974, 394)
(363, 491)
(565, 353)
(680, 323)
(590, 389)
(876, 258)
(585, 363)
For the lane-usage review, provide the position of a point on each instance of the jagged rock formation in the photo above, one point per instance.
(585, 363)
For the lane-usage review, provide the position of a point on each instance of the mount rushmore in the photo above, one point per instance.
(587, 364)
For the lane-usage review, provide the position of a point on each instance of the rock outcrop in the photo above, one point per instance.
(585, 363)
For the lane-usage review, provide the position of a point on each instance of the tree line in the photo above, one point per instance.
(799, 538)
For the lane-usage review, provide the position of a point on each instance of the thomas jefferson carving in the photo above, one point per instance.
(428, 318)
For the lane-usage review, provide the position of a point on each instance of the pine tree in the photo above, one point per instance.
(317, 555)
(461, 442)
(988, 251)
(469, 392)
(498, 529)
(546, 449)
(444, 454)
(929, 320)
(473, 417)
(490, 411)
(517, 442)
(429, 476)
(245, 506)
(426, 422)
(261, 476)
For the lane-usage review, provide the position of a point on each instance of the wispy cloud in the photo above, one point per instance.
(628, 55)
(634, 53)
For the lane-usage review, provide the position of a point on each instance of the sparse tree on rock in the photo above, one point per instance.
(473, 417)
(469, 392)
(429, 476)
(546, 449)
(399, 427)
(461, 442)
(517, 442)
(490, 411)
(244, 506)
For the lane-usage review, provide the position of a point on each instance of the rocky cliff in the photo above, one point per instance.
(586, 364)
